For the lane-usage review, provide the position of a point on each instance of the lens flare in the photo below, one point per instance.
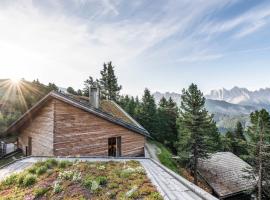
(15, 80)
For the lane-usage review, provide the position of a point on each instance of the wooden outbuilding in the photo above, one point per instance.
(66, 125)
(227, 175)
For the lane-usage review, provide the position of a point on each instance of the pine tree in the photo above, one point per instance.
(226, 141)
(163, 126)
(79, 92)
(240, 142)
(147, 114)
(71, 91)
(167, 129)
(239, 131)
(194, 124)
(213, 137)
(87, 84)
(128, 104)
(108, 82)
(259, 151)
(52, 87)
(235, 142)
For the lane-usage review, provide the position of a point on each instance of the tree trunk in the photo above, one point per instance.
(195, 165)
(260, 163)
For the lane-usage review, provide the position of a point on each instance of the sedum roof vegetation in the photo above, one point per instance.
(53, 179)
(109, 107)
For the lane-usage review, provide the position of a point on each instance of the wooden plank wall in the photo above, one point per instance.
(78, 132)
(40, 128)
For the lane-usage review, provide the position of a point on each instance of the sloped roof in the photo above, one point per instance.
(81, 103)
(112, 108)
(225, 173)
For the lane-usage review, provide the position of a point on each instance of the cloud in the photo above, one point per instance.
(250, 29)
(200, 57)
(242, 25)
(34, 42)
(65, 41)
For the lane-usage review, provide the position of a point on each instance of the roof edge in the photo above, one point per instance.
(127, 115)
(80, 105)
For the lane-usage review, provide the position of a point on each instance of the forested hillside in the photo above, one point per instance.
(226, 114)
(188, 129)
(16, 98)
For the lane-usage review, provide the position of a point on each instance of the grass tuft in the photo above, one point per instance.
(39, 192)
(41, 170)
(29, 180)
(64, 163)
(11, 180)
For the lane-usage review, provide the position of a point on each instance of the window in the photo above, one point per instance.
(114, 146)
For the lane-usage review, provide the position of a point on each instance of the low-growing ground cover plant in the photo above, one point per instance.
(80, 180)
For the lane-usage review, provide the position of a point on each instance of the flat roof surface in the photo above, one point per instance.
(170, 186)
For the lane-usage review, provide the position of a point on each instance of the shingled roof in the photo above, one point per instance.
(225, 173)
(110, 107)
(109, 110)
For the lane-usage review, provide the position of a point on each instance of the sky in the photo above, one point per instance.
(163, 45)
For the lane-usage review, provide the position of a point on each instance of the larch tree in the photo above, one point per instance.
(194, 122)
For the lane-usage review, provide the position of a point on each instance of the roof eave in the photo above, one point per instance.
(19, 122)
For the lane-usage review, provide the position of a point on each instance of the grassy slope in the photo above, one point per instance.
(165, 156)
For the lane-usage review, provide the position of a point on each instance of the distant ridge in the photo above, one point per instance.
(259, 98)
(229, 106)
(213, 106)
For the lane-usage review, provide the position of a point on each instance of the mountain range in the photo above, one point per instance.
(229, 106)
(242, 96)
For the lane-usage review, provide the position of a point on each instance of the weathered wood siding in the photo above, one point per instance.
(40, 128)
(78, 132)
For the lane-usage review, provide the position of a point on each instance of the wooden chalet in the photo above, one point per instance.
(66, 125)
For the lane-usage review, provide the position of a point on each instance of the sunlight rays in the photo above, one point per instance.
(15, 81)
(12, 92)
(20, 93)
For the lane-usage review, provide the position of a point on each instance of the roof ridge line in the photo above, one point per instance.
(88, 106)
(128, 115)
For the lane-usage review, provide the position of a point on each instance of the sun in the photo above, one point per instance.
(15, 81)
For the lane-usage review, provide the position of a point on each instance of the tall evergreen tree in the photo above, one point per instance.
(128, 104)
(108, 82)
(87, 84)
(71, 91)
(167, 129)
(79, 92)
(194, 124)
(52, 87)
(227, 141)
(259, 149)
(239, 131)
(147, 115)
(235, 142)
(213, 137)
(239, 147)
